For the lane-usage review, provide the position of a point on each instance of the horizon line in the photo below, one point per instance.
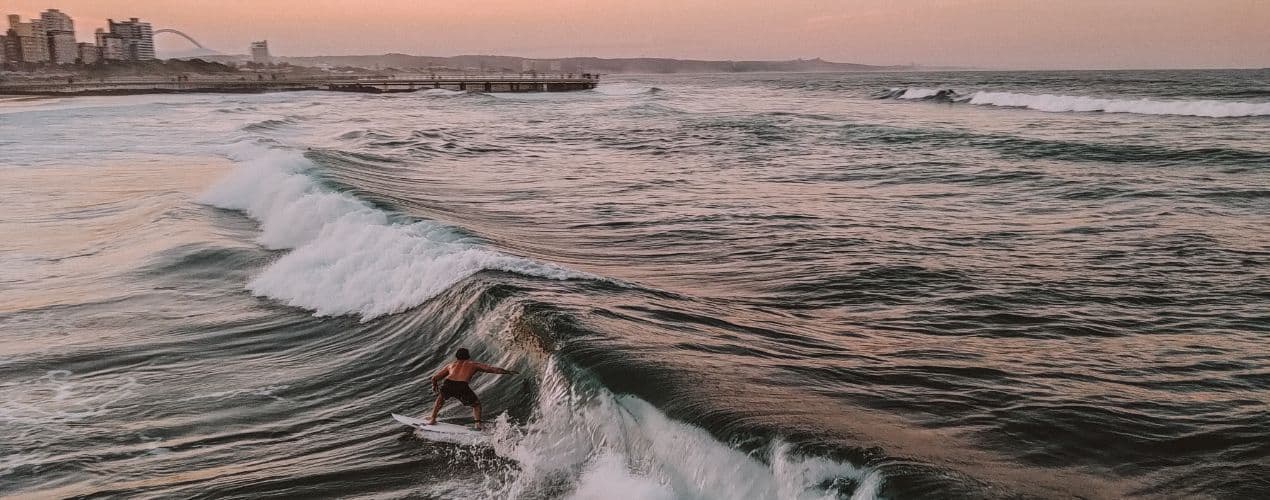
(821, 59)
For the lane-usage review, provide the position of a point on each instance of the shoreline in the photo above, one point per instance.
(552, 83)
(18, 95)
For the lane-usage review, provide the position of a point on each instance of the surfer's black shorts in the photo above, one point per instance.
(456, 389)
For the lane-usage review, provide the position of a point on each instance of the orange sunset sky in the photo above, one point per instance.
(977, 33)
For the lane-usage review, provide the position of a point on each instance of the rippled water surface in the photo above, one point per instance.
(903, 285)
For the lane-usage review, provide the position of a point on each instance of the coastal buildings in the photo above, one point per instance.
(109, 46)
(49, 39)
(31, 39)
(59, 30)
(137, 38)
(89, 53)
(62, 47)
(260, 52)
(12, 49)
(56, 20)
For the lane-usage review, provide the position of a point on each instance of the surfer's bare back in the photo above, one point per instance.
(451, 382)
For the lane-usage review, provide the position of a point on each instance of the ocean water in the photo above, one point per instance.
(893, 285)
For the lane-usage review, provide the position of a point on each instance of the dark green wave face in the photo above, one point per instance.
(791, 286)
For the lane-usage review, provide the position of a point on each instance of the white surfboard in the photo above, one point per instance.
(441, 431)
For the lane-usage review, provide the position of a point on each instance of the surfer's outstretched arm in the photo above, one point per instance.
(493, 369)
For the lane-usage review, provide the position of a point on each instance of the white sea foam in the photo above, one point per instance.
(917, 93)
(348, 257)
(59, 396)
(1062, 103)
(443, 93)
(617, 447)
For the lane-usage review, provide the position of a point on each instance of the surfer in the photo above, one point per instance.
(453, 381)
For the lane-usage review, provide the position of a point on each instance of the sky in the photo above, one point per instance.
(1007, 34)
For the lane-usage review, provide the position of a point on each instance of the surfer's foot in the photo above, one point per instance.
(477, 425)
(432, 422)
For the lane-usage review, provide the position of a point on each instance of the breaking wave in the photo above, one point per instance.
(619, 446)
(1062, 103)
(1052, 103)
(347, 257)
(919, 93)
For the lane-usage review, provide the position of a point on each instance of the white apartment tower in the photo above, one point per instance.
(260, 52)
(137, 38)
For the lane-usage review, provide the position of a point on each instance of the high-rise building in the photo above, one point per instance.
(260, 52)
(62, 47)
(4, 49)
(137, 37)
(88, 53)
(110, 45)
(11, 48)
(60, 30)
(33, 45)
(56, 20)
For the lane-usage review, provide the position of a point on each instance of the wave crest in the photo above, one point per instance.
(1052, 103)
(348, 257)
(1063, 103)
(622, 447)
(919, 93)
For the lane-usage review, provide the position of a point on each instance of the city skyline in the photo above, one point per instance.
(971, 33)
(51, 38)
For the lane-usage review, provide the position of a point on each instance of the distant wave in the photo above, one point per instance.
(919, 93)
(271, 124)
(1062, 103)
(346, 256)
(1052, 103)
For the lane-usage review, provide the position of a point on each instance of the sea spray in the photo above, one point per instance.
(625, 447)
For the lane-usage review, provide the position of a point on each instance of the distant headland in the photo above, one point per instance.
(513, 64)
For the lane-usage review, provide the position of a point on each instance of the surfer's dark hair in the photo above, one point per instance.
(462, 353)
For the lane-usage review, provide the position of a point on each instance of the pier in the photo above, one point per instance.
(258, 83)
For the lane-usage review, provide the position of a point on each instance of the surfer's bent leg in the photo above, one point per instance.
(465, 394)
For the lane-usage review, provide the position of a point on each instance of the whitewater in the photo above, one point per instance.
(347, 257)
(1065, 103)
